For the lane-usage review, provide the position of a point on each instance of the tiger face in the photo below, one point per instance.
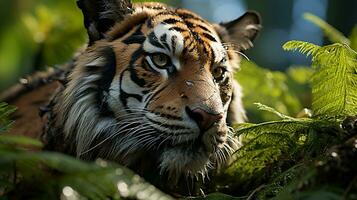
(155, 87)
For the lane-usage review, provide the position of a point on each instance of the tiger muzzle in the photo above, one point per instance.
(204, 119)
(213, 129)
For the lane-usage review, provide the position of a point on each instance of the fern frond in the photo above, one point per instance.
(272, 110)
(267, 142)
(303, 47)
(283, 126)
(331, 33)
(334, 82)
(5, 112)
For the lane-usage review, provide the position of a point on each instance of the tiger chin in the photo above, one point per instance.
(154, 90)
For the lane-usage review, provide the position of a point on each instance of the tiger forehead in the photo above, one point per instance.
(184, 21)
(195, 32)
(183, 28)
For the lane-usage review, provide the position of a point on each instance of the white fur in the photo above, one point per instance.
(178, 160)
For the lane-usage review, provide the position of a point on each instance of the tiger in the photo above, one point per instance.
(154, 90)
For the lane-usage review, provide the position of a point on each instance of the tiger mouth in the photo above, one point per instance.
(196, 144)
(192, 158)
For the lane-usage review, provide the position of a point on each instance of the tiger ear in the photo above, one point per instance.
(242, 31)
(101, 15)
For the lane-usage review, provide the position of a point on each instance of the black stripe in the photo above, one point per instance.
(187, 37)
(165, 13)
(173, 43)
(155, 94)
(213, 56)
(136, 38)
(205, 50)
(109, 69)
(209, 36)
(191, 47)
(158, 7)
(133, 75)
(148, 67)
(178, 29)
(189, 24)
(168, 116)
(149, 23)
(192, 25)
(172, 127)
(163, 39)
(204, 28)
(170, 21)
(145, 91)
(197, 37)
(188, 15)
(148, 97)
(123, 96)
(107, 73)
(154, 40)
(126, 29)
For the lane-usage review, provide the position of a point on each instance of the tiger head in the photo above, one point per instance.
(155, 87)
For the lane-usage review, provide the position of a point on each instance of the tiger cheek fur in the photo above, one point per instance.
(155, 92)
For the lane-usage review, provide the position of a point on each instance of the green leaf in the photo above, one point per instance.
(19, 140)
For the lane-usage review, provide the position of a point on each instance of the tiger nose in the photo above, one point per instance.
(203, 118)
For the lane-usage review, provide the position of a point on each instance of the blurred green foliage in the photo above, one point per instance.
(49, 175)
(39, 33)
(287, 92)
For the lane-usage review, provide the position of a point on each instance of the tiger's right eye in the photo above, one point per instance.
(219, 73)
(160, 60)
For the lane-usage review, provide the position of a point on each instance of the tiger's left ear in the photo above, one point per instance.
(242, 31)
(101, 15)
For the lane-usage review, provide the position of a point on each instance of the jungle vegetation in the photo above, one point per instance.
(301, 141)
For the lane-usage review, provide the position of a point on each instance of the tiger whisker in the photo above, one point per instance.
(104, 140)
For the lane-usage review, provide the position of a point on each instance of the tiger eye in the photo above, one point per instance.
(218, 73)
(160, 60)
